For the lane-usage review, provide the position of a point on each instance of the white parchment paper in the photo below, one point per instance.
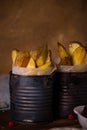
(72, 68)
(33, 71)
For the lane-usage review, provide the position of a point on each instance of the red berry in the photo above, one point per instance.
(10, 123)
(70, 116)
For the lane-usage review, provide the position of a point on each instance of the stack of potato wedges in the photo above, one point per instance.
(39, 58)
(76, 54)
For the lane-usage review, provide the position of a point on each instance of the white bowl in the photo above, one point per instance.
(82, 120)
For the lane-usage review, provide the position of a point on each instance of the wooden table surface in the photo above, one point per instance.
(5, 117)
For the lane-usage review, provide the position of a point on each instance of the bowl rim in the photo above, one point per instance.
(78, 109)
(82, 119)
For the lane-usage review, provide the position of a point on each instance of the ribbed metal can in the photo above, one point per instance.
(31, 98)
(70, 90)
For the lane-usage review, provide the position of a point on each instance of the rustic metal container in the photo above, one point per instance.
(31, 98)
(70, 90)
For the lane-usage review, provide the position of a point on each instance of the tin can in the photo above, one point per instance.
(31, 98)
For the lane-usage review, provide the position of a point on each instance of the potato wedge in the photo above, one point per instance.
(43, 56)
(78, 56)
(22, 59)
(73, 46)
(31, 63)
(14, 54)
(64, 55)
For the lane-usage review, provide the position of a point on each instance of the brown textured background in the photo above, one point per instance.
(25, 24)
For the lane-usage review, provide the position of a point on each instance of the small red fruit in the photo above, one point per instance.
(10, 123)
(70, 117)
